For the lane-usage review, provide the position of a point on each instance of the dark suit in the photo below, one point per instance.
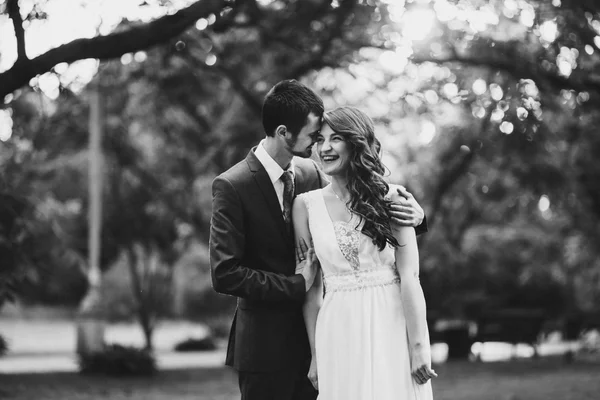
(252, 257)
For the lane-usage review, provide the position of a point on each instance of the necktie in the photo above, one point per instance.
(288, 196)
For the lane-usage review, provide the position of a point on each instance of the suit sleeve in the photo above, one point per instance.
(322, 178)
(423, 227)
(226, 247)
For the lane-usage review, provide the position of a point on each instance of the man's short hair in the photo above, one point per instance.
(288, 103)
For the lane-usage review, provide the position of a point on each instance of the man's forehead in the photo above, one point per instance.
(314, 120)
(314, 117)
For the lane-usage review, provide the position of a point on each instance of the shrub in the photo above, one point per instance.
(118, 360)
(206, 303)
(195, 344)
(3, 346)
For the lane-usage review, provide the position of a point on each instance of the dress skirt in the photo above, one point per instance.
(362, 347)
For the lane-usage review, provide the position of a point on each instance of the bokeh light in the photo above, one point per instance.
(479, 87)
(507, 127)
(6, 125)
(544, 203)
(548, 31)
(428, 131)
(417, 24)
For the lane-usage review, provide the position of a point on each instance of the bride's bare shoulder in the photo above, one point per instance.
(393, 194)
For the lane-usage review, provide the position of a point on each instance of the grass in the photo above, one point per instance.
(547, 379)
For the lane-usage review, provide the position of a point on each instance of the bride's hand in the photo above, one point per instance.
(306, 263)
(421, 364)
(312, 374)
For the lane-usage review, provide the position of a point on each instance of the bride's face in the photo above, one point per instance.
(333, 151)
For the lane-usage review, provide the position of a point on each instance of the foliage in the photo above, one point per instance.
(504, 172)
(9, 274)
(32, 249)
(119, 300)
(118, 360)
(169, 130)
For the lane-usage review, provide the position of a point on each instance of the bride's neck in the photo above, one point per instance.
(340, 188)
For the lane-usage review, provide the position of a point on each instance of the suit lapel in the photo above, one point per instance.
(263, 181)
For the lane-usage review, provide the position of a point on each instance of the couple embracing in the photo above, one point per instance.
(323, 261)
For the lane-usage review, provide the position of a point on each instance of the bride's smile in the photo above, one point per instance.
(333, 151)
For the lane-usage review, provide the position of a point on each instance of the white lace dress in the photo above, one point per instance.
(361, 338)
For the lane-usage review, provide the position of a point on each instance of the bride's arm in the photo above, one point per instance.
(413, 301)
(312, 305)
(314, 296)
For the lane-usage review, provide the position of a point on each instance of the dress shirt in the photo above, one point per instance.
(273, 170)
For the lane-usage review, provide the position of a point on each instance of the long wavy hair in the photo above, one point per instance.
(365, 173)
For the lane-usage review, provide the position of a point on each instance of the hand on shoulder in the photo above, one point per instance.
(393, 194)
(405, 209)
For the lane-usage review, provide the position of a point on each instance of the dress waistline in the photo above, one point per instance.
(361, 279)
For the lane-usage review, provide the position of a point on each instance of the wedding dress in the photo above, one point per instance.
(361, 339)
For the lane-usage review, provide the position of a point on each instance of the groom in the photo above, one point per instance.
(252, 248)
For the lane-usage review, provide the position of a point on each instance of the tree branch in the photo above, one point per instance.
(254, 102)
(452, 174)
(344, 10)
(250, 98)
(591, 6)
(519, 70)
(109, 46)
(14, 13)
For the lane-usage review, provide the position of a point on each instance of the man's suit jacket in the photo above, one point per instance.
(252, 257)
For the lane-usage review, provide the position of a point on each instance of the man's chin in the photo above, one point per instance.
(303, 154)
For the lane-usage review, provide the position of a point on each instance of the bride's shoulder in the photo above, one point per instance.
(311, 193)
(307, 198)
(392, 193)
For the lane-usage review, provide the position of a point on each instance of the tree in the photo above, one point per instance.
(511, 106)
(101, 47)
(11, 211)
(547, 98)
(202, 124)
(328, 22)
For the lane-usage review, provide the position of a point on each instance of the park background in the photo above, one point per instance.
(117, 115)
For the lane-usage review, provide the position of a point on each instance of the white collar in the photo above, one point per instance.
(273, 169)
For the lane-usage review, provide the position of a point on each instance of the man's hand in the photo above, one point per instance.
(306, 263)
(405, 209)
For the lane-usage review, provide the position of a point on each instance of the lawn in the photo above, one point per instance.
(548, 379)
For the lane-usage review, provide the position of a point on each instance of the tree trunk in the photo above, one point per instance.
(142, 311)
(459, 343)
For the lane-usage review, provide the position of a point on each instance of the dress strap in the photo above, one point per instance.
(309, 199)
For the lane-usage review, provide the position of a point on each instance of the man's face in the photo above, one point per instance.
(302, 144)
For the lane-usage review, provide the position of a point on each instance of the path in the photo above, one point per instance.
(45, 346)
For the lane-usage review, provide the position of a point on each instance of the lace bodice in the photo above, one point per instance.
(349, 259)
(348, 239)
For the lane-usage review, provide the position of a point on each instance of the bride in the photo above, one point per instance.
(365, 313)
